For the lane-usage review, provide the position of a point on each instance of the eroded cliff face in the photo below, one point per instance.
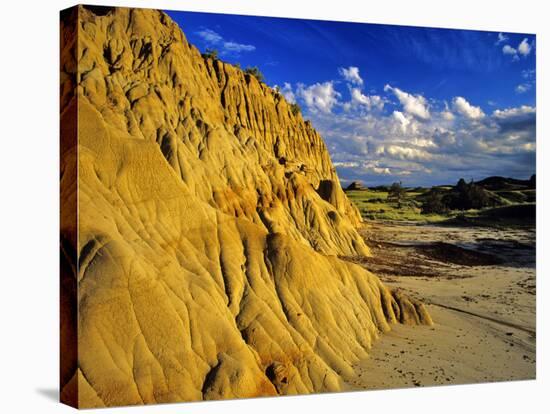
(210, 221)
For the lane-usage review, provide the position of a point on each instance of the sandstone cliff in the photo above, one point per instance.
(203, 263)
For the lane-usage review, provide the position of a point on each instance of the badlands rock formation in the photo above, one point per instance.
(204, 261)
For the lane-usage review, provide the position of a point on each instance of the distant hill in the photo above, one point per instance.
(493, 183)
(497, 183)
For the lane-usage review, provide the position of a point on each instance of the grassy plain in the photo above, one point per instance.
(516, 207)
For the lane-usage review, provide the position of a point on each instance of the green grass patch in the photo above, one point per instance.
(373, 205)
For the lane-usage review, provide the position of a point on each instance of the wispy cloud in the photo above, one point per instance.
(209, 36)
(528, 73)
(529, 76)
(523, 87)
(213, 39)
(441, 48)
(351, 75)
(501, 38)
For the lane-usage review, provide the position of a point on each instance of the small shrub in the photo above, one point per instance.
(396, 193)
(210, 54)
(468, 196)
(461, 186)
(433, 203)
(295, 109)
(254, 71)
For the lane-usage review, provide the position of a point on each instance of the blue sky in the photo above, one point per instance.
(393, 103)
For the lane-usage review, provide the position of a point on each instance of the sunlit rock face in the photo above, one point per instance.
(202, 260)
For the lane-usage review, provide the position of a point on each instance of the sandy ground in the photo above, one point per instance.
(484, 313)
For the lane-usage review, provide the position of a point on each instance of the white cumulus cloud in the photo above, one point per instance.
(434, 150)
(514, 112)
(371, 102)
(415, 105)
(375, 168)
(319, 96)
(447, 115)
(509, 50)
(407, 153)
(463, 107)
(524, 47)
(402, 120)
